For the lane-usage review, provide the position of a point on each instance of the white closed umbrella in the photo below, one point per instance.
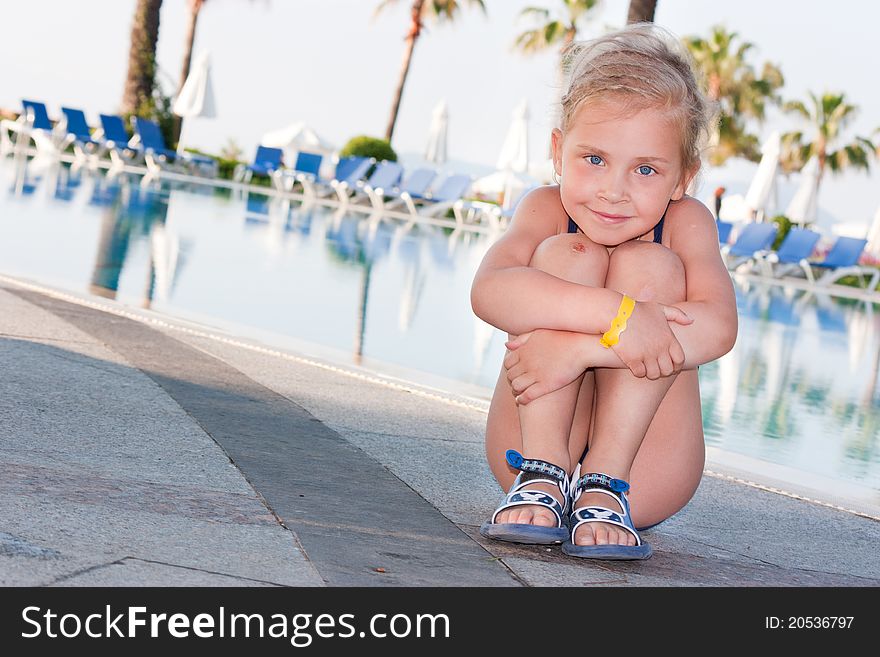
(764, 182)
(515, 150)
(297, 137)
(196, 97)
(435, 152)
(802, 207)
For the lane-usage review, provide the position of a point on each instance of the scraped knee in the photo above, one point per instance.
(572, 257)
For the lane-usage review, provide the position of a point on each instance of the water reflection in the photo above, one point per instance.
(800, 387)
(129, 213)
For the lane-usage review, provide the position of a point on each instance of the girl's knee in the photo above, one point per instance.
(651, 271)
(573, 257)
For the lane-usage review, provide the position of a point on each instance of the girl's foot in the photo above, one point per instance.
(528, 514)
(596, 532)
(536, 506)
(601, 522)
(601, 533)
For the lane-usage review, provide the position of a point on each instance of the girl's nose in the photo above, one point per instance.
(613, 189)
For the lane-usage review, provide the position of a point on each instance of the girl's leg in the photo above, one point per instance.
(626, 405)
(542, 428)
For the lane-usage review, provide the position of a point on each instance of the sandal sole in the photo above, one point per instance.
(527, 534)
(608, 552)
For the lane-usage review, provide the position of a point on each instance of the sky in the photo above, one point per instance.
(334, 65)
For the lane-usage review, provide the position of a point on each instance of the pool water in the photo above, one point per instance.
(799, 389)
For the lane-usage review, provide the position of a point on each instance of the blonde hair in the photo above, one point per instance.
(640, 66)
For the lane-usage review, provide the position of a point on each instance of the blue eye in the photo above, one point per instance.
(594, 159)
(645, 170)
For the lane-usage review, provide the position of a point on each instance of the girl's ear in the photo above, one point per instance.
(556, 148)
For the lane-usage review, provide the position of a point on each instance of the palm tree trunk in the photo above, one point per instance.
(142, 57)
(195, 6)
(641, 11)
(362, 315)
(414, 31)
(110, 255)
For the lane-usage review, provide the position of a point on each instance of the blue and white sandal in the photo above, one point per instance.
(596, 482)
(533, 534)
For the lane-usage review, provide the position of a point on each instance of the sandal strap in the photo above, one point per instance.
(531, 497)
(549, 474)
(598, 482)
(588, 514)
(617, 487)
(518, 461)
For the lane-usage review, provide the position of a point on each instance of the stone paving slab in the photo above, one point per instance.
(97, 464)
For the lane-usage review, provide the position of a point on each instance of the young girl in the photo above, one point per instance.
(612, 289)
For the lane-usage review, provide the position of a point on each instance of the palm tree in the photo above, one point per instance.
(141, 78)
(739, 92)
(559, 31)
(438, 10)
(641, 11)
(828, 115)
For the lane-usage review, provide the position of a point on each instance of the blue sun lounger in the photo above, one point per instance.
(794, 251)
(306, 171)
(754, 240)
(148, 138)
(414, 187)
(385, 176)
(267, 161)
(724, 230)
(113, 130)
(349, 172)
(114, 138)
(450, 192)
(842, 260)
(77, 133)
(32, 123)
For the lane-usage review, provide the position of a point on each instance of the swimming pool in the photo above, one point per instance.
(798, 394)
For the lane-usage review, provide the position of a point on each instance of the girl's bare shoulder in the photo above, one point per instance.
(542, 205)
(689, 217)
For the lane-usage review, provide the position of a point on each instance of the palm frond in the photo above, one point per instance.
(383, 4)
(796, 107)
(535, 13)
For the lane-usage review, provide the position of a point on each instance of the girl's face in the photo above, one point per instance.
(618, 173)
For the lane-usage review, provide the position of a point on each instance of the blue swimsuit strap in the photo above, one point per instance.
(658, 229)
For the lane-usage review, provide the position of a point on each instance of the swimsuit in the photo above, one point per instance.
(658, 229)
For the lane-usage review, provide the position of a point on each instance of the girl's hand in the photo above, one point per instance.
(647, 346)
(542, 361)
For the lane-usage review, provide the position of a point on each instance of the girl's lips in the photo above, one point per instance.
(611, 218)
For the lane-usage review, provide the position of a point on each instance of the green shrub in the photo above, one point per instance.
(854, 281)
(363, 146)
(783, 226)
(226, 167)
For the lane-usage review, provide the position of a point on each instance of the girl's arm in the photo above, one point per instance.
(710, 298)
(516, 298)
(534, 370)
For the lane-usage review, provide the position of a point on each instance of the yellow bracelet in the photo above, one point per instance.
(618, 326)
